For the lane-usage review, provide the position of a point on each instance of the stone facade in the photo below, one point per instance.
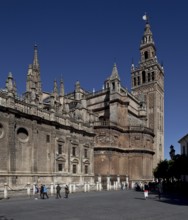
(184, 145)
(78, 137)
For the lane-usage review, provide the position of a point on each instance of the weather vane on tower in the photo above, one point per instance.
(145, 18)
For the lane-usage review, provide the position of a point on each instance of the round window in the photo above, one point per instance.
(22, 134)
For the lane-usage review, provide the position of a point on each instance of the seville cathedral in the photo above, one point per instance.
(75, 138)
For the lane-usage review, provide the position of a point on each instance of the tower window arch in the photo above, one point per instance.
(153, 76)
(113, 85)
(146, 55)
(143, 76)
(135, 81)
(148, 77)
(138, 80)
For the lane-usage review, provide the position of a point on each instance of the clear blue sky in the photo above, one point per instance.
(80, 39)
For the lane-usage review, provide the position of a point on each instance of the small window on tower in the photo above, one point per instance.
(138, 80)
(146, 55)
(86, 169)
(113, 86)
(148, 77)
(153, 76)
(60, 167)
(143, 77)
(134, 81)
(48, 138)
(59, 149)
(73, 151)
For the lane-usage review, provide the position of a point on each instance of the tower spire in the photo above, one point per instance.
(62, 92)
(55, 90)
(148, 36)
(147, 46)
(35, 59)
(114, 74)
(33, 75)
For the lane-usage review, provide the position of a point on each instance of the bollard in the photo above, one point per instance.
(99, 179)
(100, 186)
(51, 189)
(127, 182)
(34, 188)
(74, 187)
(85, 187)
(28, 189)
(118, 179)
(70, 188)
(97, 186)
(5, 191)
(114, 185)
(88, 187)
(108, 183)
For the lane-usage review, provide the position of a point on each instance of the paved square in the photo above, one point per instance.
(109, 205)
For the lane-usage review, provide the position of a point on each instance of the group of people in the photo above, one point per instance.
(158, 189)
(44, 192)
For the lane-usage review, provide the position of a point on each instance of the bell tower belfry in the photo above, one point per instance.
(148, 80)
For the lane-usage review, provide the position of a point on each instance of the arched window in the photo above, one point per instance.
(148, 77)
(74, 168)
(138, 80)
(113, 86)
(153, 76)
(146, 55)
(143, 76)
(135, 81)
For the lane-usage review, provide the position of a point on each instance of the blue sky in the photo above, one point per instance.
(81, 39)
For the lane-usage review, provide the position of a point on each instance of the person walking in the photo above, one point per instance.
(66, 191)
(41, 191)
(159, 189)
(36, 191)
(45, 192)
(58, 189)
(146, 190)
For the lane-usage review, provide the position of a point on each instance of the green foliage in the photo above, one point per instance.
(172, 169)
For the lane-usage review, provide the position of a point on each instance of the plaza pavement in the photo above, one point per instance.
(105, 205)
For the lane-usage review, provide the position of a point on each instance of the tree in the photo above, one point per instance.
(161, 171)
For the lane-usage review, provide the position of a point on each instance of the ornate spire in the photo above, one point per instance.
(62, 91)
(10, 83)
(33, 75)
(35, 59)
(114, 74)
(147, 46)
(148, 36)
(55, 91)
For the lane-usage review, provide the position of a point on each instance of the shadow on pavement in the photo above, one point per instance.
(173, 199)
(2, 217)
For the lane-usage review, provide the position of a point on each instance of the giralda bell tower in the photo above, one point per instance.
(148, 83)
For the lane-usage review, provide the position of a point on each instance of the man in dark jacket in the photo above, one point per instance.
(66, 191)
(41, 191)
(58, 189)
